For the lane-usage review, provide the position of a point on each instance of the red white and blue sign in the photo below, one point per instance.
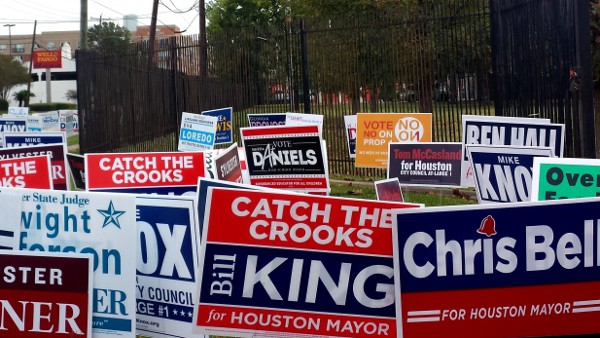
(286, 157)
(503, 173)
(224, 124)
(274, 263)
(166, 265)
(168, 173)
(499, 270)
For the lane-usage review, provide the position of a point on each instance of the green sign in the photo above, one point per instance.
(561, 178)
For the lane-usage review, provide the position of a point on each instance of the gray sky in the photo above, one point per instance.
(58, 15)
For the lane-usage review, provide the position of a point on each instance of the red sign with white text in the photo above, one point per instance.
(308, 265)
(26, 172)
(132, 170)
(57, 153)
(45, 295)
(47, 59)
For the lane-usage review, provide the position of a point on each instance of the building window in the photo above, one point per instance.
(18, 48)
(50, 45)
(3, 48)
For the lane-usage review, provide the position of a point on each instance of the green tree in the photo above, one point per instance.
(12, 73)
(234, 14)
(22, 96)
(109, 37)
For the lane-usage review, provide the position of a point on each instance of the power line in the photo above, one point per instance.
(177, 10)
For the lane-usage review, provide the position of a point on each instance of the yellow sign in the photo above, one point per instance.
(374, 132)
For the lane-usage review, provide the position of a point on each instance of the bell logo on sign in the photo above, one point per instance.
(409, 129)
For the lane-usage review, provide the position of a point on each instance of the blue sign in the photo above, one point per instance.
(523, 262)
(25, 139)
(224, 124)
(503, 174)
(263, 120)
(166, 265)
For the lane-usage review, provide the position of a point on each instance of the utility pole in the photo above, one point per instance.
(83, 22)
(152, 34)
(30, 65)
(9, 38)
(202, 37)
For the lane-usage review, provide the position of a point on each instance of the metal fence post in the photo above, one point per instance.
(305, 78)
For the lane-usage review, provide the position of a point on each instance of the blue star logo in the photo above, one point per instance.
(111, 215)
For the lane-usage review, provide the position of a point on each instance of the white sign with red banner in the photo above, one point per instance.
(286, 157)
(168, 173)
(296, 265)
(26, 172)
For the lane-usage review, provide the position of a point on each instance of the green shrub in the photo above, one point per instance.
(3, 105)
(51, 106)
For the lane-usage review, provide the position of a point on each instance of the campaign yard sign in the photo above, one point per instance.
(498, 270)
(297, 119)
(18, 111)
(12, 123)
(275, 263)
(560, 178)
(425, 163)
(228, 165)
(29, 138)
(503, 173)
(97, 224)
(50, 121)
(389, 190)
(57, 153)
(45, 295)
(197, 132)
(167, 173)
(374, 132)
(224, 124)
(508, 131)
(286, 157)
(10, 222)
(26, 172)
(167, 265)
(67, 121)
(264, 120)
(77, 170)
(350, 124)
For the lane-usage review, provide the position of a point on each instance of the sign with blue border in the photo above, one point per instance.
(499, 270)
(224, 124)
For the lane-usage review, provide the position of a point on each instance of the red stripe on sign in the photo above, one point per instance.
(294, 322)
(279, 130)
(564, 309)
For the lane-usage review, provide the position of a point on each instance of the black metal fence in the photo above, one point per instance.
(435, 59)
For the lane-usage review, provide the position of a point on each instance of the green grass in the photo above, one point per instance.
(436, 197)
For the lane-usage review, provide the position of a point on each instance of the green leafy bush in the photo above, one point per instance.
(51, 106)
(3, 105)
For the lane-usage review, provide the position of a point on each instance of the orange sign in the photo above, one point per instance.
(374, 132)
(47, 59)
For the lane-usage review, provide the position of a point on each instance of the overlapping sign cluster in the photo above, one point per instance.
(244, 241)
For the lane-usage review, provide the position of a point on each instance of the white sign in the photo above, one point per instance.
(10, 209)
(18, 111)
(197, 132)
(297, 119)
(99, 224)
